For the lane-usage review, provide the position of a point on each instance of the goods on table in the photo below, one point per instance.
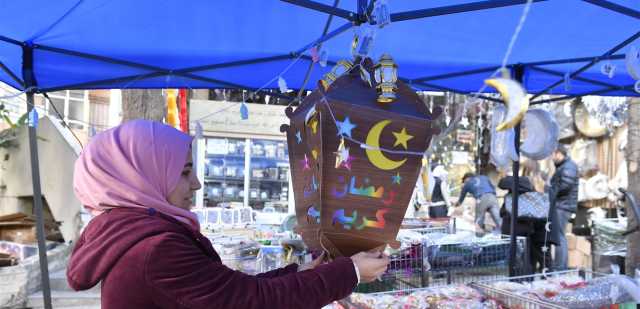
(573, 291)
(455, 296)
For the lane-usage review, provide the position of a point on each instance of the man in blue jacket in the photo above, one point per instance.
(482, 189)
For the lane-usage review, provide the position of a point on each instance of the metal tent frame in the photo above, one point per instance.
(27, 79)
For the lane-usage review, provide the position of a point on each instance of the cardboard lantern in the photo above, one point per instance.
(355, 162)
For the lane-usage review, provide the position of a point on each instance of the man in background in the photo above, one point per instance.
(563, 191)
(482, 189)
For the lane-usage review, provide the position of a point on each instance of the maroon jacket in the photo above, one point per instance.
(149, 260)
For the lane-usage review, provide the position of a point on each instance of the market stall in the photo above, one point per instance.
(438, 46)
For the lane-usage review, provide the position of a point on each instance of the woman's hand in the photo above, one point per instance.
(370, 265)
(312, 264)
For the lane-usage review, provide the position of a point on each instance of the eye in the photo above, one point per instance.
(186, 172)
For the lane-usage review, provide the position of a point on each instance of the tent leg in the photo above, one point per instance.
(518, 73)
(37, 202)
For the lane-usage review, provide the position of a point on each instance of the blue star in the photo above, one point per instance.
(396, 178)
(299, 137)
(345, 127)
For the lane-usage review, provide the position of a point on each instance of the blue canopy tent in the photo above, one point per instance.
(439, 45)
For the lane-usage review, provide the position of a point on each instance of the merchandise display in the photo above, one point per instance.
(571, 290)
(455, 296)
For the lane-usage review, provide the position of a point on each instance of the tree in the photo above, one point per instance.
(144, 104)
(633, 161)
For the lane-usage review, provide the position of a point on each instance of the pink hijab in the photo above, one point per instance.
(134, 165)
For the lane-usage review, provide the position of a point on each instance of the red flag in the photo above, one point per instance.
(184, 125)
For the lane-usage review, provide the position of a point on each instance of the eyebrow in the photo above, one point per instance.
(188, 165)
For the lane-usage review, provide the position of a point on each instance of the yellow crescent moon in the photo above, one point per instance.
(375, 155)
(515, 98)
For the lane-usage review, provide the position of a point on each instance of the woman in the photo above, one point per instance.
(144, 244)
(440, 200)
(533, 214)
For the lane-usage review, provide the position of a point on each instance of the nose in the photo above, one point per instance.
(195, 184)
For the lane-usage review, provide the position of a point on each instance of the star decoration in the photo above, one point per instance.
(314, 126)
(396, 178)
(464, 121)
(342, 153)
(305, 163)
(299, 137)
(545, 249)
(402, 138)
(347, 162)
(345, 127)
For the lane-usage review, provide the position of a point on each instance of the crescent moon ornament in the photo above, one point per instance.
(515, 98)
(547, 227)
(632, 60)
(376, 157)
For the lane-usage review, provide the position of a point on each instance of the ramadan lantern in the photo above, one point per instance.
(355, 158)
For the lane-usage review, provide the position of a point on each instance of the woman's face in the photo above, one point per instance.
(182, 195)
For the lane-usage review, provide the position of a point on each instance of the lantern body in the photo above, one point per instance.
(357, 201)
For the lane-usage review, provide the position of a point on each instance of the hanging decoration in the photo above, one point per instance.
(610, 112)
(540, 134)
(315, 57)
(282, 84)
(183, 110)
(632, 61)
(381, 13)
(363, 39)
(567, 81)
(342, 67)
(609, 69)
(515, 98)
(360, 199)
(324, 57)
(244, 111)
(503, 150)
(386, 76)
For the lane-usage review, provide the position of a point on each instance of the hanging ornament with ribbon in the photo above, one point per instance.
(608, 69)
(381, 13)
(282, 84)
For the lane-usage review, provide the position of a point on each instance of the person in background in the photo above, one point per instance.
(563, 192)
(440, 200)
(533, 215)
(145, 249)
(485, 194)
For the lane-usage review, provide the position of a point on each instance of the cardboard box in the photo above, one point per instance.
(571, 241)
(578, 259)
(583, 245)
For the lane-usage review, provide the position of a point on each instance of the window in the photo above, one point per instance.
(70, 104)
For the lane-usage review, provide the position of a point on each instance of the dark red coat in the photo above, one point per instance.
(149, 260)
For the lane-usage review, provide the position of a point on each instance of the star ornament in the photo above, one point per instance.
(396, 179)
(345, 127)
(305, 163)
(314, 125)
(342, 154)
(402, 138)
(299, 137)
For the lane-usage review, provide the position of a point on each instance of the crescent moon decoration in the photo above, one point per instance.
(547, 227)
(632, 60)
(515, 98)
(376, 157)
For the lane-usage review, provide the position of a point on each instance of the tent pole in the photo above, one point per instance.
(37, 201)
(518, 73)
(30, 82)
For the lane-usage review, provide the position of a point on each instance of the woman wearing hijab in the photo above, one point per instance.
(144, 245)
(440, 200)
(533, 215)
